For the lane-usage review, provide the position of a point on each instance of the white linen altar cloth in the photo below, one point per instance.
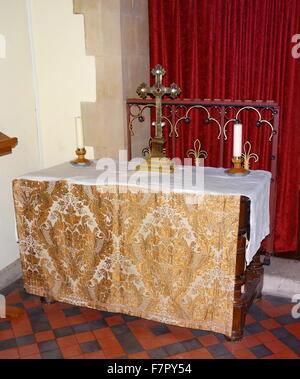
(256, 186)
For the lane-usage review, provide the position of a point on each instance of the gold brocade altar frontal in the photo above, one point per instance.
(152, 255)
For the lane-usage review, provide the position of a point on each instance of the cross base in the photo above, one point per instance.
(163, 165)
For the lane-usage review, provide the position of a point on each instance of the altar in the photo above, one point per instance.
(183, 257)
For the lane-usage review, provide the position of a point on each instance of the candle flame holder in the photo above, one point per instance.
(237, 169)
(81, 160)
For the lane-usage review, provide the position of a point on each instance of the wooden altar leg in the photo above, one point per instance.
(239, 306)
(45, 300)
(254, 279)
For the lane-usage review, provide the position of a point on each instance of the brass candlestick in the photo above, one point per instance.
(81, 160)
(237, 168)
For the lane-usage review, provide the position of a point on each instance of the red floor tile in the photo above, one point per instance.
(208, 340)
(32, 303)
(28, 350)
(71, 351)
(265, 337)
(95, 355)
(21, 327)
(270, 324)
(250, 341)
(181, 334)
(294, 329)
(13, 298)
(81, 356)
(44, 336)
(79, 319)
(275, 346)
(54, 309)
(141, 355)
(147, 339)
(249, 319)
(67, 341)
(111, 347)
(85, 337)
(58, 322)
(234, 346)
(104, 333)
(285, 354)
(91, 314)
(6, 334)
(114, 320)
(9, 354)
(34, 356)
(154, 342)
(284, 309)
(140, 328)
(195, 354)
(244, 354)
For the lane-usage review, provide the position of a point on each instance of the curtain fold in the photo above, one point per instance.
(241, 50)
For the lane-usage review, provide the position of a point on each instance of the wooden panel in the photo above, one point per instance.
(7, 144)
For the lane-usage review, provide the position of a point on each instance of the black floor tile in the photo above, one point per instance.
(129, 318)
(257, 313)
(159, 330)
(69, 312)
(285, 319)
(226, 356)
(120, 329)
(280, 332)
(90, 347)
(83, 327)
(63, 332)
(127, 340)
(18, 305)
(174, 348)
(199, 333)
(158, 353)
(255, 327)
(26, 340)
(261, 351)
(8, 344)
(97, 324)
(277, 301)
(40, 326)
(35, 312)
(48, 345)
(220, 337)
(5, 325)
(218, 350)
(107, 314)
(190, 345)
(293, 343)
(53, 354)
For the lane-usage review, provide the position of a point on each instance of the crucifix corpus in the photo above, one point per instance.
(157, 160)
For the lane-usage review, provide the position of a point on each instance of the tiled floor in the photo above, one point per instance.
(63, 331)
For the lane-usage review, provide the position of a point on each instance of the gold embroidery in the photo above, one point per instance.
(155, 256)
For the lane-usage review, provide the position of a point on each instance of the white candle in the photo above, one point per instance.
(237, 140)
(79, 133)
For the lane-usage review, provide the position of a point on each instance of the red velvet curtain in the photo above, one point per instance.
(237, 49)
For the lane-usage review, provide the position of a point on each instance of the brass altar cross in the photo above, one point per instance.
(158, 91)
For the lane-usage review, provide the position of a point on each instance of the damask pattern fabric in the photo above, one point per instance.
(159, 256)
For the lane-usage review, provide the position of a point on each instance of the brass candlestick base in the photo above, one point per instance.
(81, 160)
(237, 168)
(164, 165)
